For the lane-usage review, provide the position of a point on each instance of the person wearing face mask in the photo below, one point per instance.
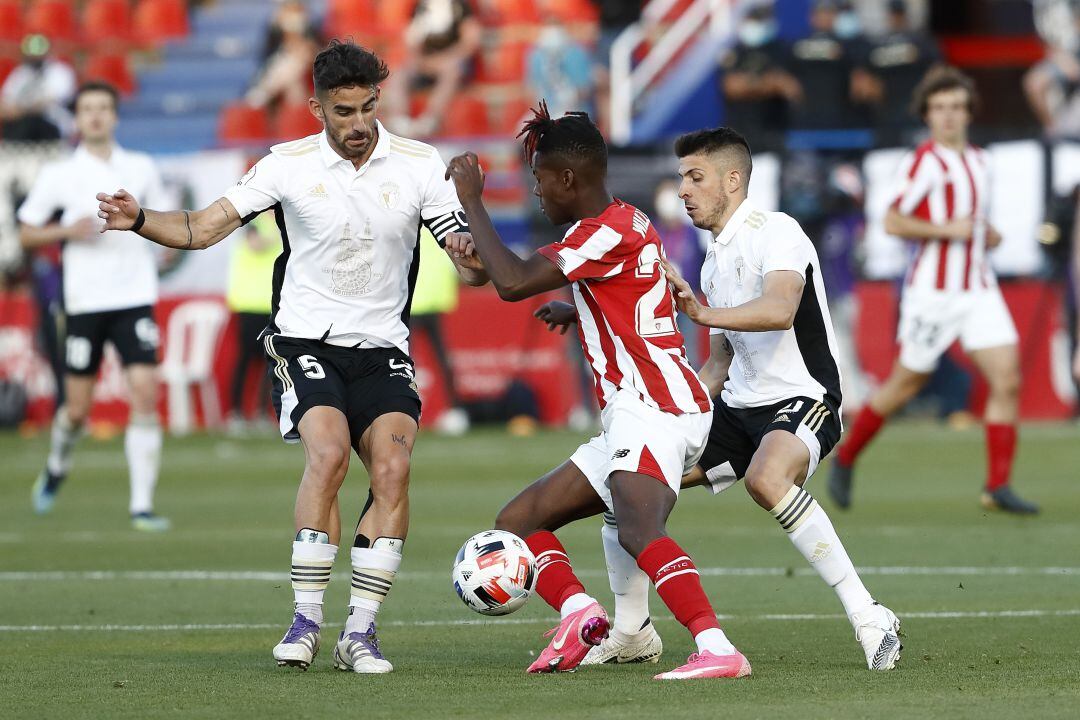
(559, 70)
(34, 97)
(758, 88)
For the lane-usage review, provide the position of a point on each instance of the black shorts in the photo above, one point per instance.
(362, 384)
(736, 434)
(133, 332)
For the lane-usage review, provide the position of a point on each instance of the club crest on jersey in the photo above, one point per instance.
(389, 192)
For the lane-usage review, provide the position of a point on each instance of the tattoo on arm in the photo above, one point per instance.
(187, 220)
(399, 439)
(223, 209)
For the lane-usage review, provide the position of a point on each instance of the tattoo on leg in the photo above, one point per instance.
(399, 439)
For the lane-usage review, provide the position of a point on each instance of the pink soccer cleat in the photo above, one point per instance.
(707, 665)
(574, 637)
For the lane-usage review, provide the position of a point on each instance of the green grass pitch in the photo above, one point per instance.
(99, 621)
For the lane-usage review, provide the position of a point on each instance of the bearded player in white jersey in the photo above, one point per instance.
(349, 202)
(110, 288)
(950, 293)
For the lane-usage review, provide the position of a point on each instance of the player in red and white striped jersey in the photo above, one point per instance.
(950, 292)
(656, 413)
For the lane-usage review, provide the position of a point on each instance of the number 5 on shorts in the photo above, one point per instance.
(311, 366)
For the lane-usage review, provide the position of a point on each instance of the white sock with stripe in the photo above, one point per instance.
(142, 446)
(373, 572)
(812, 533)
(312, 559)
(63, 436)
(628, 582)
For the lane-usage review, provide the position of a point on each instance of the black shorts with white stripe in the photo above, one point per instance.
(737, 433)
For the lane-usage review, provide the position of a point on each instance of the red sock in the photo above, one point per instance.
(867, 424)
(1000, 448)
(678, 584)
(555, 579)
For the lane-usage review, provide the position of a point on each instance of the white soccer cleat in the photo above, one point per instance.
(619, 648)
(878, 631)
(359, 652)
(300, 645)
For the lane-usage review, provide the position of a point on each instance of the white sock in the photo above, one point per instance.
(628, 582)
(575, 602)
(373, 571)
(811, 531)
(715, 641)
(142, 445)
(312, 559)
(63, 436)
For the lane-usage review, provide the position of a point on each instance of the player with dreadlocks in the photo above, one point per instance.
(655, 414)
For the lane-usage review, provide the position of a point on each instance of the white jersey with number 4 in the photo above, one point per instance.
(350, 236)
(107, 271)
(776, 365)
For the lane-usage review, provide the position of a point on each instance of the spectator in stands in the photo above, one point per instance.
(1052, 88)
(251, 270)
(559, 70)
(757, 86)
(826, 64)
(615, 17)
(899, 59)
(442, 40)
(292, 44)
(35, 96)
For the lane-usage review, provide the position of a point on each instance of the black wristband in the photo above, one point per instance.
(139, 221)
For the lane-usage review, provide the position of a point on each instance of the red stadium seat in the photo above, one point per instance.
(467, 116)
(393, 17)
(7, 64)
(511, 115)
(511, 12)
(113, 68)
(295, 121)
(104, 20)
(11, 21)
(240, 123)
(505, 63)
(158, 20)
(350, 17)
(55, 19)
(573, 11)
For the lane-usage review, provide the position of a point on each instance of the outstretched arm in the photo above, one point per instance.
(181, 229)
(515, 279)
(781, 294)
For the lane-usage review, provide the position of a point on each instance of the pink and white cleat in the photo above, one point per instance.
(707, 665)
(578, 633)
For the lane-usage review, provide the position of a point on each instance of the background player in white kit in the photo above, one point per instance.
(950, 292)
(110, 288)
(349, 203)
(773, 374)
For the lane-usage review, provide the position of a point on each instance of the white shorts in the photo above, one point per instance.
(932, 320)
(641, 439)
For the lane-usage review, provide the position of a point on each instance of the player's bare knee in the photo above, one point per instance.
(390, 480)
(1006, 383)
(76, 413)
(517, 516)
(766, 483)
(327, 464)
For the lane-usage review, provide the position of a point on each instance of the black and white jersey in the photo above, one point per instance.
(776, 365)
(350, 236)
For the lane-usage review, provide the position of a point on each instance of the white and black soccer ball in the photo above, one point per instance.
(494, 572)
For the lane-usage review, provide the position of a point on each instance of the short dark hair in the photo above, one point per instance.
(714, 140)
(346, 64)
(574, 136)
(941, 78)
(97, 86)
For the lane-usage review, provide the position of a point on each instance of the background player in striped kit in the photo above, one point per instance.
(950, 292)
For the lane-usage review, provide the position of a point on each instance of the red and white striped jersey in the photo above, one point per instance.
(626, 312)
(938, 185)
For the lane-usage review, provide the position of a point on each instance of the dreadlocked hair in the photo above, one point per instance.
(573, 136)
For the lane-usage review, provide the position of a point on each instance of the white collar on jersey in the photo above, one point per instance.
(736, 221)
(81, 153)
(331, 158)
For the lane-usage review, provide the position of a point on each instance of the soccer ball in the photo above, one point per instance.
(494, 572)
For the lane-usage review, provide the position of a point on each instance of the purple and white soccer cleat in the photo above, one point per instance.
(360, 653)
(300, 645)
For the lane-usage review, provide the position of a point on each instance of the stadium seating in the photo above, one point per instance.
(241, 124)
(113, 68)
(467, 116)
(294, 121)
(157, 20)
(11, 21)
(505, 63)
(54, 19)
(106, 21)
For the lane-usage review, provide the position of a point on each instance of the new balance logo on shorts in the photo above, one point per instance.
(620, 454)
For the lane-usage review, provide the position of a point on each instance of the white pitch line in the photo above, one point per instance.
(274, 576)
(198, 627)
